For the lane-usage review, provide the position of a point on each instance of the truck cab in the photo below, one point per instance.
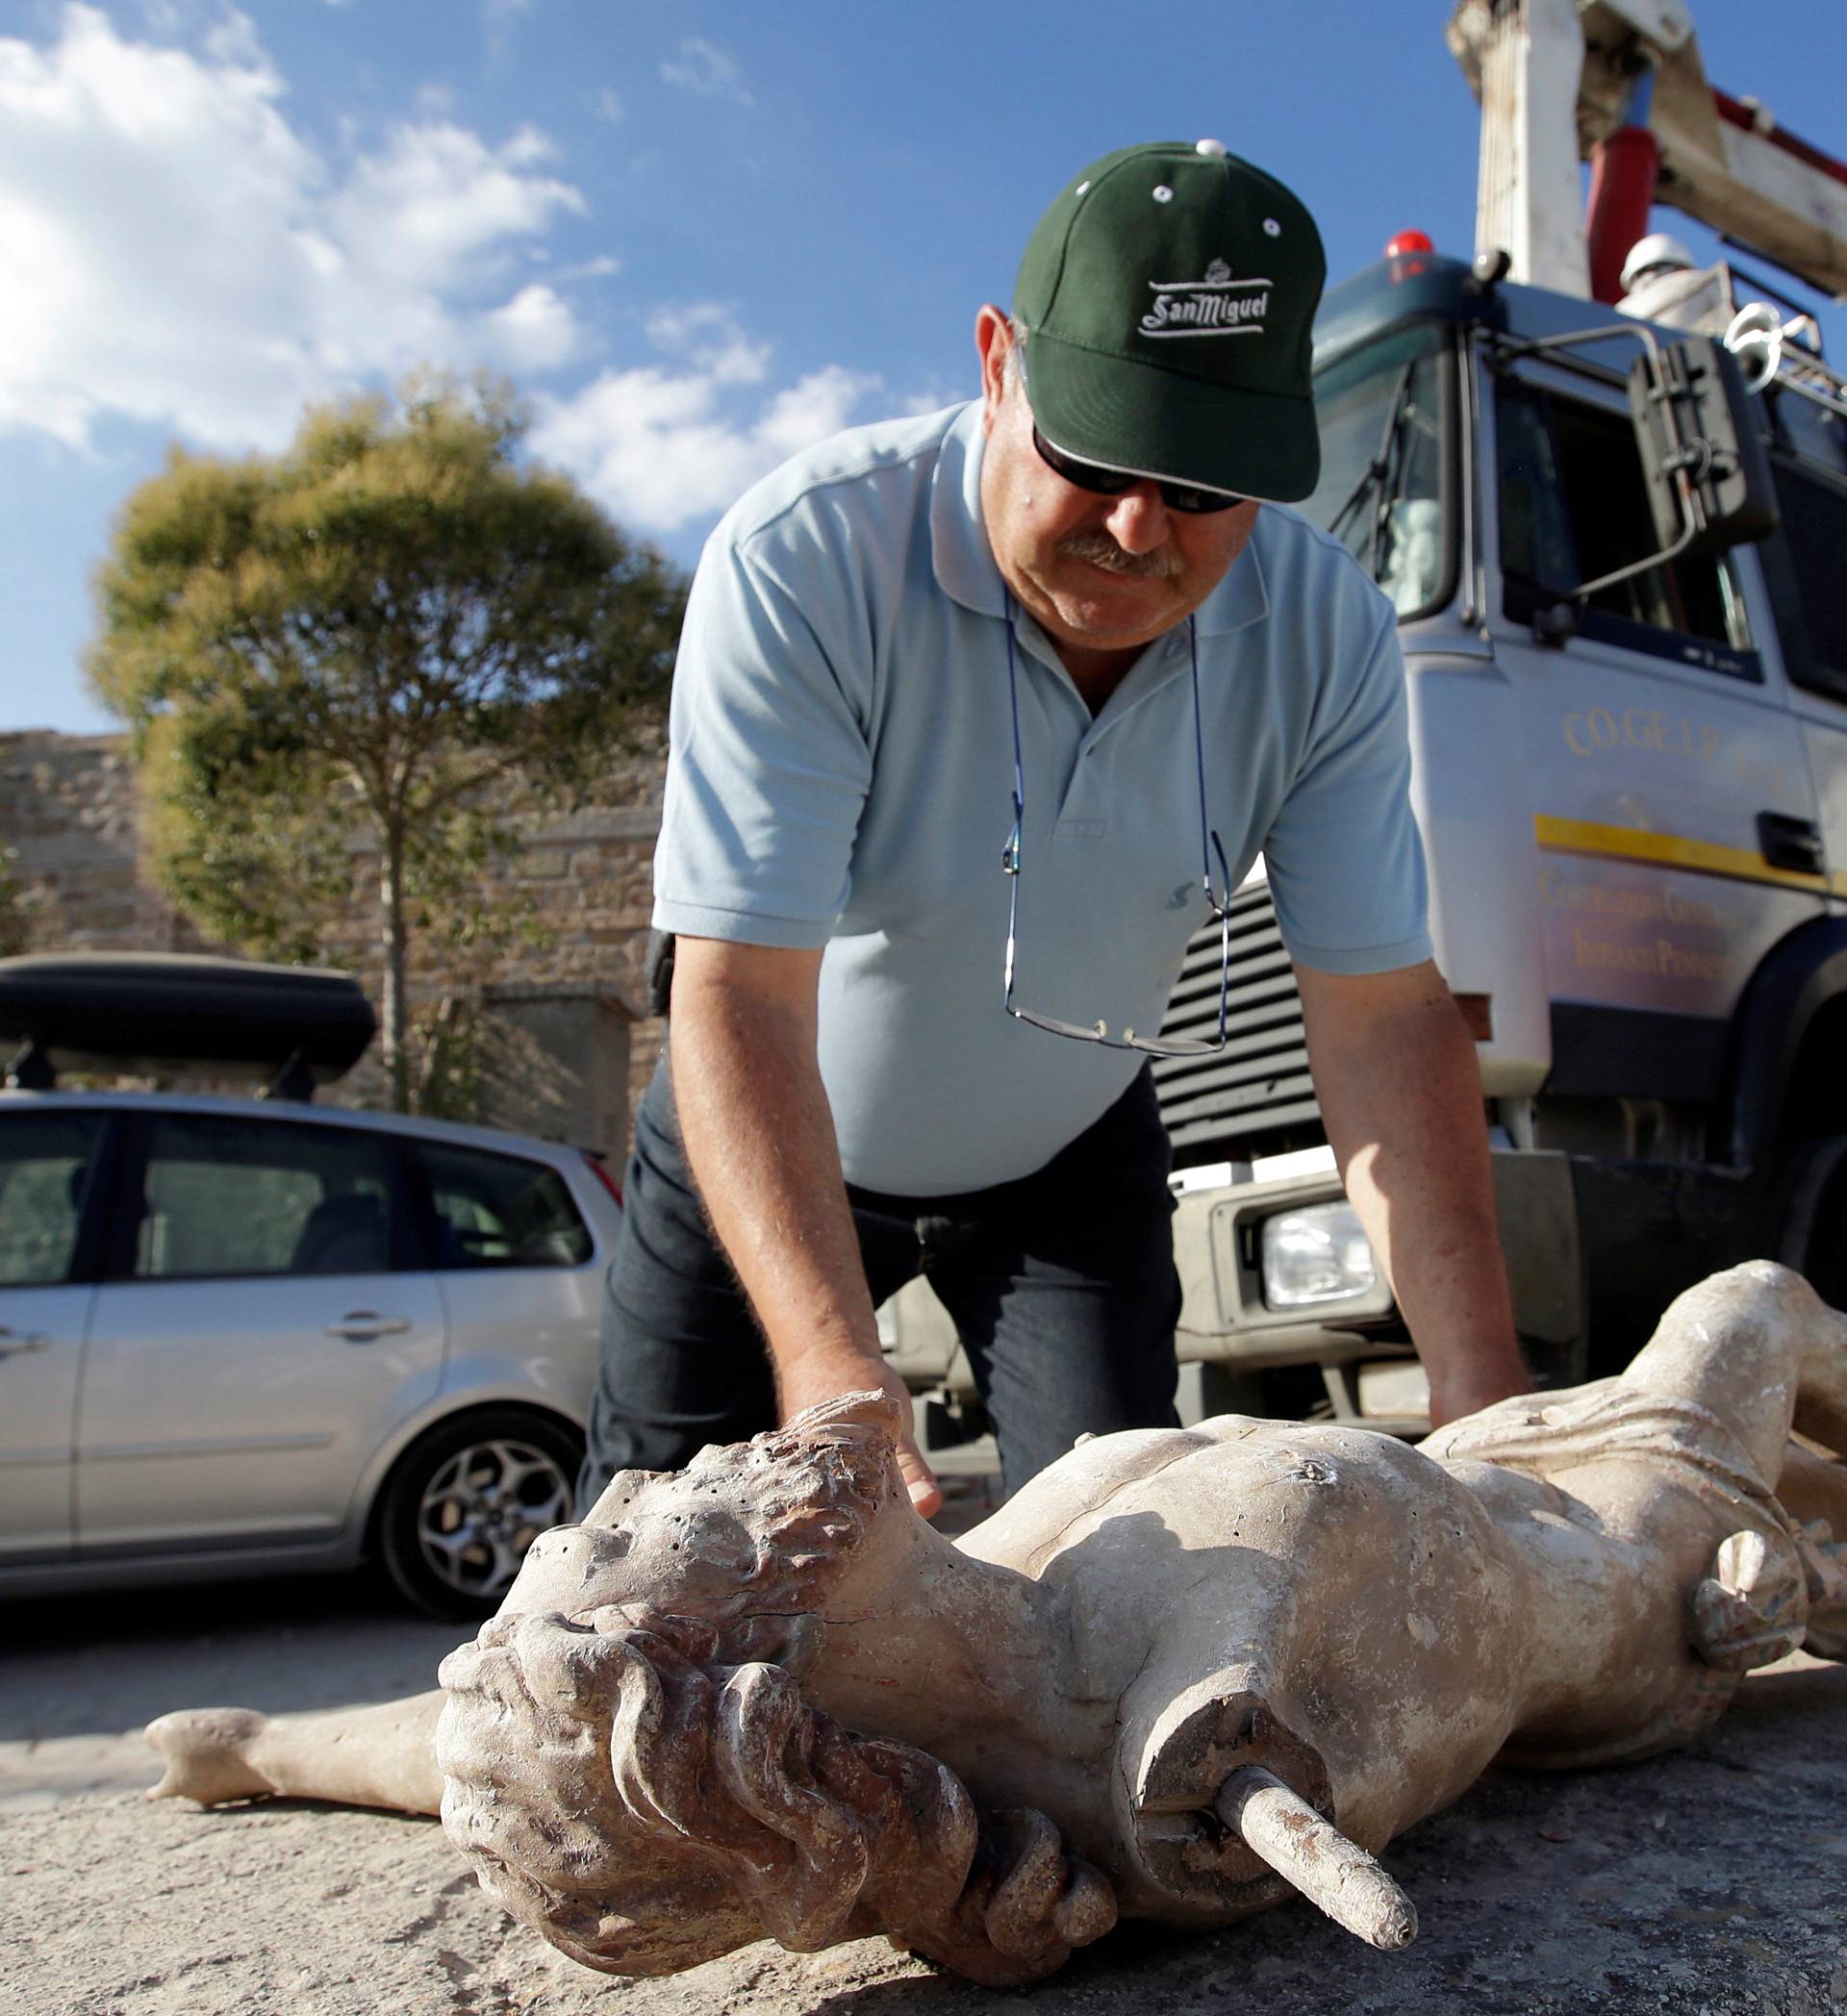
(1632, 793)
(1635, 809)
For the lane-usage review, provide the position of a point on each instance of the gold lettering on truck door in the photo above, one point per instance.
(1647, 731)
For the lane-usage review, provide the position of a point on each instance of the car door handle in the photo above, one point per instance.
(361, 1326)
(1790, 843)
(13, 1345)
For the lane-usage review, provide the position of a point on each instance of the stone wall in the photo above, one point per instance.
(68, 815)
(69, 818)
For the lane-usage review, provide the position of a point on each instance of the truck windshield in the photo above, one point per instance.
(1380, 412)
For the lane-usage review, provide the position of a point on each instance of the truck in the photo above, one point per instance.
(1613, 532)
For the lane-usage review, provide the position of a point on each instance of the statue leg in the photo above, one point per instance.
(1813, 1489)
(1682, 1455)
(1758, 1348)
(373, 1757)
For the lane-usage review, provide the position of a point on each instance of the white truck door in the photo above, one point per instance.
(1675, 828)
(1805, 565)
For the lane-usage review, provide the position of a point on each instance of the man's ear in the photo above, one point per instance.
(993, 340)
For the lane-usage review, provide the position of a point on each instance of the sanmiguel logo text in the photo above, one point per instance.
(1218, 305)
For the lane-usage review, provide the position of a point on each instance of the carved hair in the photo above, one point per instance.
(647, 1807)
(641, 1781)
(752, 1537)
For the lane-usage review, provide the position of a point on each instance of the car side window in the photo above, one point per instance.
(45, 1165)
(1574, 507)
(235, 1196)
(502, 1211)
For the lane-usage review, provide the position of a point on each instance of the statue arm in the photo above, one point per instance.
(383, 1756)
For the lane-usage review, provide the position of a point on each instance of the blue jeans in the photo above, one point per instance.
(1061, 1285)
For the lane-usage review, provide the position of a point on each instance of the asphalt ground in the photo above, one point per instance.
(1711, 1881)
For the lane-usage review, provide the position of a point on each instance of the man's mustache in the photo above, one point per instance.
(1102, 550)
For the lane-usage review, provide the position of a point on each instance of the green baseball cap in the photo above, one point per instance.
(1169, 297)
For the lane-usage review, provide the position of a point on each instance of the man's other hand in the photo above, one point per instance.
(1401, 1093)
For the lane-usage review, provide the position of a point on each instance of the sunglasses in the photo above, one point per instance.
(1105, 482)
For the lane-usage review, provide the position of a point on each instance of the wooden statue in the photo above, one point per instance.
(1180, 1676)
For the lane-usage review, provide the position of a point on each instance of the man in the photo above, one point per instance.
(977, 718)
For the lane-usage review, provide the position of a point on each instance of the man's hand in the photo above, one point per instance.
(808, 1379)
(1400, 1090)
(761, 1144)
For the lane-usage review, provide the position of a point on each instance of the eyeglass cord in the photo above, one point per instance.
(1010, 860)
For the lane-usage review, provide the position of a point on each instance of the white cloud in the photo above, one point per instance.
(608, 107)
(707, 70)
(707, 336)
(498, 18)
(811, 409)
(178, 254)
(234, 40)
(661, 445)
(535, 331)
(438, 199)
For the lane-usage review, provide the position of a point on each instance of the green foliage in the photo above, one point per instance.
(387, 641)
(257, 853)
(450, 1042)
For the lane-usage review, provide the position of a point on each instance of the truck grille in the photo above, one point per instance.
(1255, 1096)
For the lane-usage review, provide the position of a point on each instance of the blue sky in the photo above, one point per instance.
(696, 236)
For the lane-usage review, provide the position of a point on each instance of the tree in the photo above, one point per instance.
(393, 625)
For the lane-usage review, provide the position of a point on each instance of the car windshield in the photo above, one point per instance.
(1380, 413)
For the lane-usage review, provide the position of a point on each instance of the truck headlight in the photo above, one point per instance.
(1316, 1255)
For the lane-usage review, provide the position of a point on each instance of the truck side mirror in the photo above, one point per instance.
(1692, 421)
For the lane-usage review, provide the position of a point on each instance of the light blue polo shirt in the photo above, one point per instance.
(841, 775)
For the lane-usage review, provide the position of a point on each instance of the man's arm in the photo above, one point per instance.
(1396, 1075)
(760, 1140)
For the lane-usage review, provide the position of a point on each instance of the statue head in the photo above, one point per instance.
(750, 1538)
(631, 1767)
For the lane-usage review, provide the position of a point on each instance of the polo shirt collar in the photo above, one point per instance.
(963, 562)
(960, 555)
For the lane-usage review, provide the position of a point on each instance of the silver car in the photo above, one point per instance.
(241, 1337)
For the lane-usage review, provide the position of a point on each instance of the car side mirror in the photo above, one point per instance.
(1709, 478)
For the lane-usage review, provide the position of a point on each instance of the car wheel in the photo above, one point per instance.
(463, 1505)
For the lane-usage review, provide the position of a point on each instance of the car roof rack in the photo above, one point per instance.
(290, 1027)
